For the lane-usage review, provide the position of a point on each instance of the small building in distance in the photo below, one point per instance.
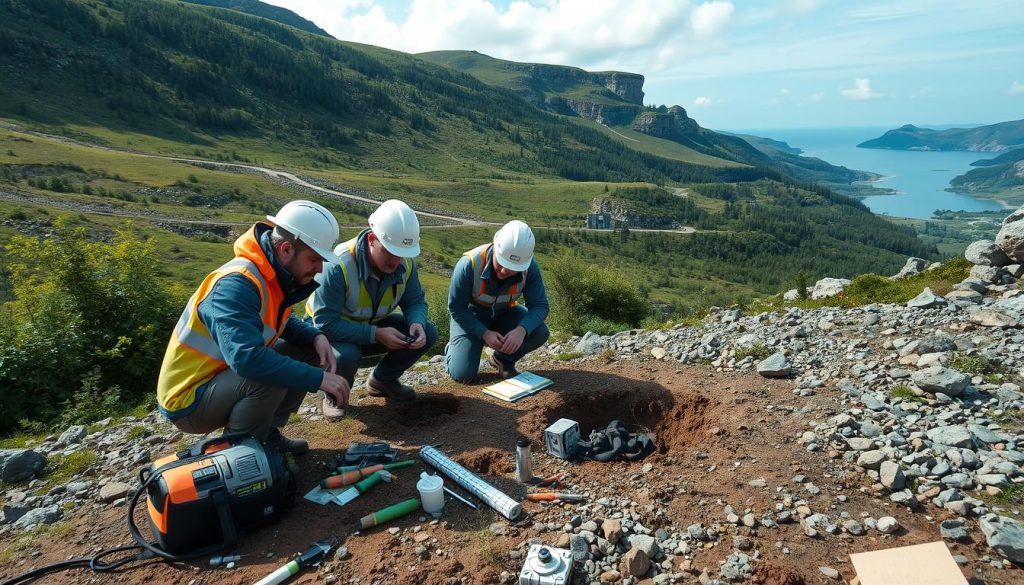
(599, 221)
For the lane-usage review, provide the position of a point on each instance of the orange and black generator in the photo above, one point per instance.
(200, 499)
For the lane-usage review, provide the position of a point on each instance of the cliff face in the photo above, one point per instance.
(671, 125)
(623, 215)
(601, 113)
(627, 86)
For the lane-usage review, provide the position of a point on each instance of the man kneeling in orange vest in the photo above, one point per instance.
(237, 359)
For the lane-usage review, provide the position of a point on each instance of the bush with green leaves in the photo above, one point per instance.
(86, 326)
(437, 313)
(587, 297)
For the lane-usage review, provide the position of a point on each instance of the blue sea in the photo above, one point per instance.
(920, 178)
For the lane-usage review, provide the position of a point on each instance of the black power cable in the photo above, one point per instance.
(147, 549)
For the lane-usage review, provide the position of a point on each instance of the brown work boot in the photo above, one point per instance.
(505, 370)
(331, 411)
(393, 389)
(286, 445)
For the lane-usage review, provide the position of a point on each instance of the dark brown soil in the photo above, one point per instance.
(715, 433)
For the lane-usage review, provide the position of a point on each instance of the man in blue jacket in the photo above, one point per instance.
(483, 301)
(237, 359)
(356, 304)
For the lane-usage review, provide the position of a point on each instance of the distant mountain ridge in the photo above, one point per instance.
(998, 177)
(611, 98)
(992, 138)
(256, 8)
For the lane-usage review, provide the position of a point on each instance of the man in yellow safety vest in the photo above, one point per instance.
(357, 305)
(237, 359)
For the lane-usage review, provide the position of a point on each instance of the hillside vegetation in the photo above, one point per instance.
(1002, 177)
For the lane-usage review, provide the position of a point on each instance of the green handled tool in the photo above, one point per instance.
(388, 514)
(386, 466)
(361, 487)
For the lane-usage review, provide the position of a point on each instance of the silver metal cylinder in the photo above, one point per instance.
(524, 464)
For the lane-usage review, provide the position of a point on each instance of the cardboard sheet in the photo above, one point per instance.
(920, 564)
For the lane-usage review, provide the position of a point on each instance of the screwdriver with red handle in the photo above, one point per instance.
(552, 496)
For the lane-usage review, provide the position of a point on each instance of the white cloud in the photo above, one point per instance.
(785, 91)
(711, 18)
(1017, 87)
(861, 90)
(702, 101)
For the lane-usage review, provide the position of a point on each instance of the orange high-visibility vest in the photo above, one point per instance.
(192, 357)
(478, 260)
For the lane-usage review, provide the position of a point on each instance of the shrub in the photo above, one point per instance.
(437, 313)
(586, 297)
(86, 328)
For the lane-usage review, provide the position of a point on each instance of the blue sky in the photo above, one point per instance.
(735, 64)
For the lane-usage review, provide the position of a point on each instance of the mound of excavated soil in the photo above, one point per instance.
(715, 433)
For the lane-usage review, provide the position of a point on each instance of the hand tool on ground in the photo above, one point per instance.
(351, 477)
(550, 480)
(377, 467)
(461, 499)
(224, 559)
(388, 514)
(552, 496)
(361, 487)
(312, 557)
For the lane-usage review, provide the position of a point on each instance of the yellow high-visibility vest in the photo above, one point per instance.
(358, 304)
(193, 357)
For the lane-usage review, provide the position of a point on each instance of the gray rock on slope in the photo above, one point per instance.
(1011, 236)
(987, 253)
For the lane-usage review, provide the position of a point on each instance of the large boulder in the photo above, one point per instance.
(47, 515)
(828, 287)
(1005, 535)
(912, 267)
(775, 366)
(1011, 236)
(18, 465)
(927, 300)
(946, 380)
(987, 253)
(591, 343)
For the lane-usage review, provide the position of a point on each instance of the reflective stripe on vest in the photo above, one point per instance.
(193, 357)
(358, 304)
(480, 296)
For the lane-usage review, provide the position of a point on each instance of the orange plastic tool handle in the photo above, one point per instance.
(349, 477)
(545, 497)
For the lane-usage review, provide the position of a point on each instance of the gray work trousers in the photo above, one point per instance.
(243, 405)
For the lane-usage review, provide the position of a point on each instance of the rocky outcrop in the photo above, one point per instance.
(622, 215)
(627, 86)
(673, 124)
(607, 114)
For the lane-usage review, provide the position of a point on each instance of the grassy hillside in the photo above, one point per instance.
(1001, 177)
(275, 13)
(157, 77)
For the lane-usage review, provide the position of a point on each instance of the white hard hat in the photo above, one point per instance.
(312, 224)
(513, 246)
(395, 225)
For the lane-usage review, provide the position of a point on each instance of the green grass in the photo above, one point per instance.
(61, 468)
(975, 364)
(26, 540)
(905, 393)
(757, 351)
(566, 356)
(138, 432)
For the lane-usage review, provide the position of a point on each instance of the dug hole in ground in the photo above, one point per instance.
(723, 440)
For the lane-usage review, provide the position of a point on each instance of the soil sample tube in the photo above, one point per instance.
(388, 514)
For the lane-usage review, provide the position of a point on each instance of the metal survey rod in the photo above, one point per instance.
(461, 499)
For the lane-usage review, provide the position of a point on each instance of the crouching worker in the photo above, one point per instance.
(237, 359)
(356, 305)
(483, 301)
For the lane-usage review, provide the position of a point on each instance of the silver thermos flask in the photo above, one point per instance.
(524, 465)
